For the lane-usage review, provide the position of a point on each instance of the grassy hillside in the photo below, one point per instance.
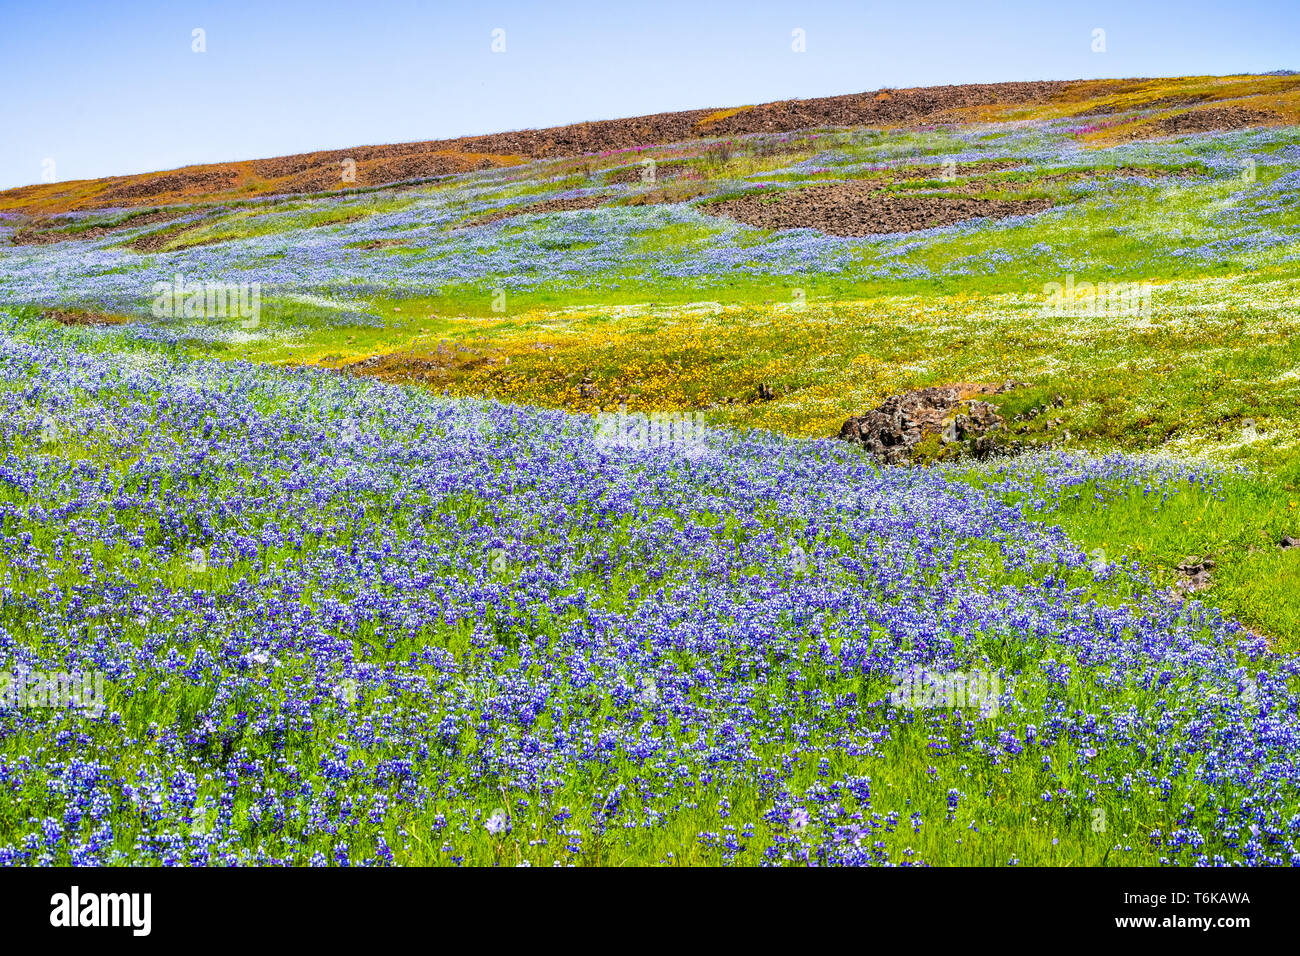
(367, 586)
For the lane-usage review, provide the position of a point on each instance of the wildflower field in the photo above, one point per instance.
(313, 481)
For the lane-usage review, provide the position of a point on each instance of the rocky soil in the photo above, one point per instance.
(861, 209)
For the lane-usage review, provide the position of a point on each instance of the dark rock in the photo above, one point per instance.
(1195, 582)
(1289, 542)
(1196, 573)
(952, 412)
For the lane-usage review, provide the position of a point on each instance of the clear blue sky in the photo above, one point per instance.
(107, 87)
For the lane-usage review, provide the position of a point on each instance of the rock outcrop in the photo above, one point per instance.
(954, 413)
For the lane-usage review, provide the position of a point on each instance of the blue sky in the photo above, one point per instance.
(108, 88)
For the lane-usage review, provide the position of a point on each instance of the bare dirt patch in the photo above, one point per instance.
(1211, 119)
(1110, 172)
(154, 241)
(548, 205)
(976, 185)
(324, 172)
(431, 367)
(70, 317)
(44, 232)
(380, 244)
(636, 174)
(1129, 104)
(861, 209)
(176, 238)
(681, 191)
(203, 179)
(937, 171)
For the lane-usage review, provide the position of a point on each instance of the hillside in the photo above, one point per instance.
(1136, 108)
(899, 478)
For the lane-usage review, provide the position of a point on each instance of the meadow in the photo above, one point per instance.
(365, 586)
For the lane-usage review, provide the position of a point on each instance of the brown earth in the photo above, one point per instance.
(652, 197)
(1204, 119)
(861, 209)
(680, 191)
(664, 170)
(977, 185)
(938, 170)
(968, 176)
(326, 170)
(154, 241)
(44, 231)
(1104, 172)
(549, 205)
(1210, 119)
(433, 367)
(203, 180)
(1165, 102)
(378, 244)
(84, 318)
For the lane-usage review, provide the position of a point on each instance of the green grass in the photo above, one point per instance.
(1004, 816)
(1221, 348)
(1240, 528)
